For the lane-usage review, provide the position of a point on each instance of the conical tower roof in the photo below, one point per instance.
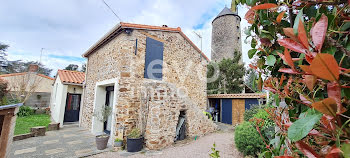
(226, 11)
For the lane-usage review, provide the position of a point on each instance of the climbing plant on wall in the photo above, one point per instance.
(303, 49)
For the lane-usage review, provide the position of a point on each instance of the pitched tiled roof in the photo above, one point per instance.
(23, 73)
(240, 95)
(73, 77)
(123, 25)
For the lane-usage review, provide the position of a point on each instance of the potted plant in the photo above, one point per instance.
(118, 142)
(102, 115)
(134, 141)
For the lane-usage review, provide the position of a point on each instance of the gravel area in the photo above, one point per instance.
(199, 148)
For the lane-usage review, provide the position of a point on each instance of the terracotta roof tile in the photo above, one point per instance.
(22, 73)
(68, 76)
(140, 26)
(240, 95)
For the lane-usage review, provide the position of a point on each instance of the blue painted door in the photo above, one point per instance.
(153, 59)
(226, 111)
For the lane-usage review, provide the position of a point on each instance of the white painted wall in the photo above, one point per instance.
(99, 101)
(59, 97)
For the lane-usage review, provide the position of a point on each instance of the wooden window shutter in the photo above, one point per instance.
(154, 59)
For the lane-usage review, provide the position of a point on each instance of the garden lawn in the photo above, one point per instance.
(23, 124)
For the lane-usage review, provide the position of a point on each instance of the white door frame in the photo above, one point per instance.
(99, 100)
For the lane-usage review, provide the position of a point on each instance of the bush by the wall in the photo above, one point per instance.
(25, 111)
(248, 140)
(249, 113)
(267, 127)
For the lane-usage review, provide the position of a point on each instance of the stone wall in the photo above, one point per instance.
(160, 112)
(226, 37)
(182, 66)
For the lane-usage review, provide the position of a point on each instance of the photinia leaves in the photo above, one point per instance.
(306, 150)
(334, 91)
(301, 128)
(292, 45)
(264, 6)
(250, 16)
(306, 68)
(325, 66)
(251, 53)
(318, 32)
(290, 33)
(288, 58)
(283, 157)
(334, 153)
(327, 122)
(327, 106)
(345, 147)
(288, 71)
(271, 60)
(304, 100)
(280, 16)
(296, 21)
(302, 35)
(310, 81)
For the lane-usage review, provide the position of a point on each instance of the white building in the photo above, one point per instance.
(66, 96)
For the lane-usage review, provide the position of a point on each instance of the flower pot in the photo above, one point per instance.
(118, 143)
(101, 141)
(134, 144)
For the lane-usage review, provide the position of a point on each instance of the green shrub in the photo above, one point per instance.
(25, 111)
(248, 114)
(248, 140)
(268, 126)
(135, 133)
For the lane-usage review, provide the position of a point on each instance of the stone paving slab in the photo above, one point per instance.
(71, 141)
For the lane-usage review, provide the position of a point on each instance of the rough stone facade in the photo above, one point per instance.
(183, 67)
(226, 37)
(160, 109)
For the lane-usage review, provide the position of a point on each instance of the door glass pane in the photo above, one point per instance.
(75, 102)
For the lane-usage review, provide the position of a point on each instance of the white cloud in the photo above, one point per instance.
(68, 28)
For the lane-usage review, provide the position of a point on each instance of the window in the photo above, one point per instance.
(153, 59)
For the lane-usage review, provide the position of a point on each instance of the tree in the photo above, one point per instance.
(230, 76)
(3, 91)
(250, 79)
(72, 67)
(3, 60)
(304, 49)
(83, 67)
(22, 66)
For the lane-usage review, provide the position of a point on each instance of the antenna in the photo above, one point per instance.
(199, 36)
(111, 10)
(41, 54)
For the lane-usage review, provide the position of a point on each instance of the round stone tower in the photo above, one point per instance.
(226, 35)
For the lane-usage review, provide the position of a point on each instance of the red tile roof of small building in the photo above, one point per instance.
(23, 73)
(140, 26)
(240, 95)
(74, 77)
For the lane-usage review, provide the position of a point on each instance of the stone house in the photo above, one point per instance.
(66, 96)
(38, 85)
(148, 75)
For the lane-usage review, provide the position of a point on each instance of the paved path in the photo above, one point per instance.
(200, 148)
(70, 141)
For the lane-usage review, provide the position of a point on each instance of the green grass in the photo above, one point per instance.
(23, 124)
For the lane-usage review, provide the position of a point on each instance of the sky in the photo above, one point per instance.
(58, 32)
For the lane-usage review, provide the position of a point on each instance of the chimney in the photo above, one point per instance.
(33, 68)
